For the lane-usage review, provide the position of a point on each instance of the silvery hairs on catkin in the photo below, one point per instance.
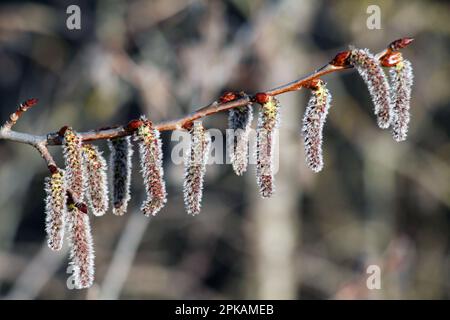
(373, 75)
(239, 120)
(81, 248)
(150, 153)
(55, 209)
(268, 122)
(195, 167)
(96, 180)
(73, 156)
(120, 173)
(313, 124)
(401, 77)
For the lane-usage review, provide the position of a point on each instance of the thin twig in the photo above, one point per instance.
(55, 138)
(23, 107)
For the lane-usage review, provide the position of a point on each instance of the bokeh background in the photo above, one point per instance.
(376, 201)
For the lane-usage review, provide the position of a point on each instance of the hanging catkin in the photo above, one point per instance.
(195, 168)
(151, 167)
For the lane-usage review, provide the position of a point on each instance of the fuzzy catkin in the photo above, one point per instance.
(96, 181)
(151, 167)
(268, 121)
(195, 168)
(313, 124)
(373, 75)
(73, 156)
(55, 209)
(239, 120)
(81, 248)
(401, 77)
(120, 173)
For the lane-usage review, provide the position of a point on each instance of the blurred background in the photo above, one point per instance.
(377, 202)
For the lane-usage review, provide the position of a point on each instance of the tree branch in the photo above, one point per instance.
(226, 102)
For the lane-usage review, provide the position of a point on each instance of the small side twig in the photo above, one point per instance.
(14, 117)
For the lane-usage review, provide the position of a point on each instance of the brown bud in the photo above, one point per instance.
(62, 131)
(24, 106)
(227, 97)
(133, 125)
(391, 59)
(82, 207)
(341, 59)
(262, 97)
(400, 43)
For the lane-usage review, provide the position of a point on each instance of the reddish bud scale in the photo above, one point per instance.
(62, 131)
(151, 167)
(55, 209)
(268, 122)
(227, 97)
(24, 106)
(195, 168)
(81, 248)
(82, 207)
(52, 168)
(370, 70)
(391, 59)
(400, 43)
(133, 125)
(262, 97)
(341, 59)
(313, 124)
(97, 184)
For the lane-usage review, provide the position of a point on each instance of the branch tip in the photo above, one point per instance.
(52, 168)
(341, 59)
(27, 104)
(400, 43)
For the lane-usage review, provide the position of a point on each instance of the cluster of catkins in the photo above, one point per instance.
(85, 177)
(391, 99)
(85, 173)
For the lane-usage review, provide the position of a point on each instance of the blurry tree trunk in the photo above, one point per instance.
(124, 255)
(274, 225)
(379, 189)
